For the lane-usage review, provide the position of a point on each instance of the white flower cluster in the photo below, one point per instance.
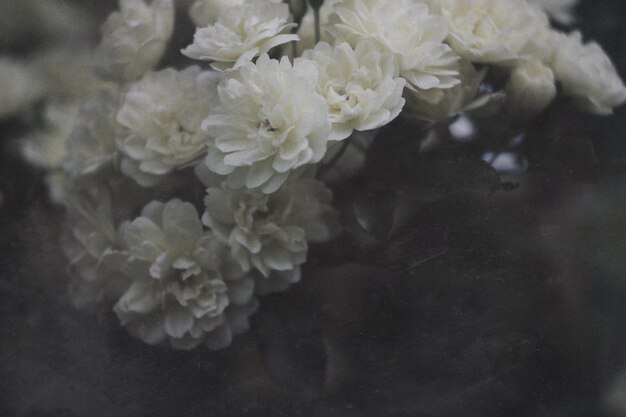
(191, 192)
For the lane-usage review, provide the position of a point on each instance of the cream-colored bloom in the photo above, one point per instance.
(588, 75)
(408, 30)
(93, 247)
(135, 37)
(46, 147)
(92, 143)
(270, 232)
(270, 121)
(161, 116)
(19, 87)
(181, 284)
(206, 12)
(242, 33)
(530, 88)
(490, 31)
(441, 104)
(362, 86)
(559, 10)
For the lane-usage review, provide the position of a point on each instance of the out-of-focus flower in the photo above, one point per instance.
(530, 88)
(587, 74)
(134, 38)
(20, 87)
(362, 86)
(270, 121)
(242, 33)
(560, 10)
(93, 248)
(45, 148)
(50, 20)
(181, 284)
(270, 232)
(68, 71)
(442, 104)
(92, 142)
(490, 31)
(206, 12)
(161, 116)
(408, 30)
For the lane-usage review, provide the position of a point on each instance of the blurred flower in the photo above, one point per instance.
(45, 148)
(20, 87)
(242, 33)
(587, 74)
(135, 37)
(93, 248)
(490, 31)
(206, 12)
(530, 88)
(270, 232)
(161, 116)
(92, 142)
(181, 284)
(408, 30)
(270, 121)
(362, 86)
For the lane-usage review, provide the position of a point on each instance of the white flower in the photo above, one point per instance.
(205, 12)
(46, 147)
(362, 86)
(19, 87)
(440, 104)
(587, 74)
(242, 33)
(270, 121)
(530, 88)
(93, 248)
(92, 143)
(135, 37)
(491, 31)
(161, 116)
(408, 30)
(270, 232)
(181, 283)
(559, 10)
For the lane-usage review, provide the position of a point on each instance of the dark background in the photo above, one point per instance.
(488, 300)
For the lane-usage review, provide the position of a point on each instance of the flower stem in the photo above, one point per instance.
(316, 15)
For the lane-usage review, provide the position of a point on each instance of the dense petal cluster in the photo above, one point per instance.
(135, 37)
(490, 31)
(270, 121)
(180, 288)
(362, 86)
(242, 33)
(408, 30)
(270, 232)
(161, 116)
